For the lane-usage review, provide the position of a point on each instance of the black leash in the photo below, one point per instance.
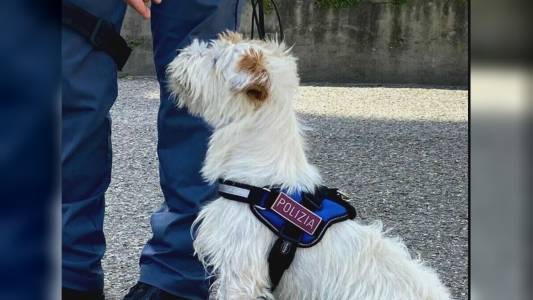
(258, 19)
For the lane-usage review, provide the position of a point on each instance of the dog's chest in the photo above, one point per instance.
(234, 226)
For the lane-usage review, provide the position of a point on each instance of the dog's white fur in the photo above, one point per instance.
(258, 140)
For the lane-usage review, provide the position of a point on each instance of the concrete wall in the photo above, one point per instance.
(376, 41)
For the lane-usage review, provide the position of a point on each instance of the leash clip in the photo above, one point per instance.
(258, 19)
(343, 195)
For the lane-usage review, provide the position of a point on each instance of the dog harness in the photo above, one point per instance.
(299, 219)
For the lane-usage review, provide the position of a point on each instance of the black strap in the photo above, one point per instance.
(258, 19)
(100, 33)
(282, 253)
(279, 260)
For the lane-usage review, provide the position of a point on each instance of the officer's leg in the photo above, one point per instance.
(167, 260)
(89, 88)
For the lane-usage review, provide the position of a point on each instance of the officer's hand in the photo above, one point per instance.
(141, 6)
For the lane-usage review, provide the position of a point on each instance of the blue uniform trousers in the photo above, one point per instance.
(89, 89)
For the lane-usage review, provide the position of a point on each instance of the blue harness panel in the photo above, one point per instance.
(331, 210)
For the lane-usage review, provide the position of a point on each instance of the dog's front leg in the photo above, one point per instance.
(234, 246)
(241, 284)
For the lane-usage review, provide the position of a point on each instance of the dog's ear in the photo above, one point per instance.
(252, 63)
(257, 93)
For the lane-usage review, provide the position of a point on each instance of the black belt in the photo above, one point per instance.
(100, 33)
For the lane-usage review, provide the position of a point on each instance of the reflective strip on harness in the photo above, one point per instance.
(237, 191)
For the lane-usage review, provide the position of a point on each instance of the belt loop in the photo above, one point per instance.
(95, 32)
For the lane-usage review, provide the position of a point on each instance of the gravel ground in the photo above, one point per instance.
(400, 152)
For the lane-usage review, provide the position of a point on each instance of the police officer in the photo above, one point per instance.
(168, 269)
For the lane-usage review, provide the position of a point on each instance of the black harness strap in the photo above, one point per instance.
(100, 33)
(282, 253)
(279, 260)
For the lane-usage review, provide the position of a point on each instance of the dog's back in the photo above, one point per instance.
(355, 261)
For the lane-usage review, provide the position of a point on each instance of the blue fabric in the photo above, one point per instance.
(328, 211)
(29, 85)
(167, 260)
(89, 90)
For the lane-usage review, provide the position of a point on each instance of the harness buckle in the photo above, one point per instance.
(343, 195)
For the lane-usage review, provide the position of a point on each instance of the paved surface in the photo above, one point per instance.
(399, 152)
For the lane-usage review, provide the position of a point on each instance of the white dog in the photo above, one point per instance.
(245, 90)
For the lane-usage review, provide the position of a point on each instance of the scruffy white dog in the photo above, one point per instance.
(245, 90)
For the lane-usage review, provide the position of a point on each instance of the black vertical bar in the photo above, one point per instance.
(261, 25)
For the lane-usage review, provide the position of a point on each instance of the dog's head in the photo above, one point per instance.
(231, 78)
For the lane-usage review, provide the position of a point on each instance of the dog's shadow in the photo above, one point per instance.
(412, 175)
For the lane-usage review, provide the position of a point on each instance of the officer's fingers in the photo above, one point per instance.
(157, 1)
(140, 7)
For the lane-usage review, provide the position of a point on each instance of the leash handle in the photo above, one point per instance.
(258, 19)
